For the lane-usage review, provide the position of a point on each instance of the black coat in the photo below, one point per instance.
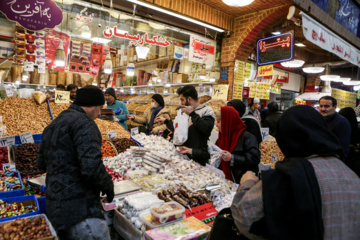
(271, 122)
(246, 156)
(70, 153)
(253, 127)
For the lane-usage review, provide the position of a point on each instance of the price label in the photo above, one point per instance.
(29, 66)
(62, 97)
(7, 141)
(9, 92)
(10, 166)
(220, 92)
(273, 157)
(134, 131)
(265, 133)
(112, 134)
(26, 138)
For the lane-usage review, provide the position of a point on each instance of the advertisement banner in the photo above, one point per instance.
(202, 50)
(267, 70)
(329, 41)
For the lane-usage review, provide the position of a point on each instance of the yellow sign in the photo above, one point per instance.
(252, 90)
(62, 97)
(266, 70)
(238, 91)
(344, 98)
(220, 92)
(239, 72)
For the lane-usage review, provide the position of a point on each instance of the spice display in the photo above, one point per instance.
(26, 157)
(15, 209)
(121, 144)
(21, 115)
(4, 156)
(268, 149)
(107, 126)
(26, 228)
(106, 149)
(9, 181)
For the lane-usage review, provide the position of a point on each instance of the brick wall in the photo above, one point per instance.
(199, 11)
(247, 30)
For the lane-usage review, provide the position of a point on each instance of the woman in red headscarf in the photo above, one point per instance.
(241, 152)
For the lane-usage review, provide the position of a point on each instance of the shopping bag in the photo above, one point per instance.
(181, 126)
(215, 154)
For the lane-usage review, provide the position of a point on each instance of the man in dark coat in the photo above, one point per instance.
(271, 120)
(70, 153)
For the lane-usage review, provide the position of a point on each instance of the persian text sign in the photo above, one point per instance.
(275, 49)
(202, 50)
(266, 70)
(33, 15)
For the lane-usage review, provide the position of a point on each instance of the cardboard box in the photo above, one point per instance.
(182, 78)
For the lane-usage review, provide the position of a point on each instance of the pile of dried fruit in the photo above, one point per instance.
(106, 149)
(121, 144)
(26, 157)
(25, 229)
(108, 126)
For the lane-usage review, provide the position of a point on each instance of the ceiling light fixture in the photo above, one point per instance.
(296, 63)
(130, 68)
(237, 3)
(300, 44)
(330, 77)
(60, 55)
(276, 33)
(313, 69)
(343, 80)
(108, 64)
(351, 83)
(176, 15)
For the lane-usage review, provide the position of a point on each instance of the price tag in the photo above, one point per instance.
(265, 133)
(10, 166)
(134, 131)
(7, 141)
(62, 97)
(112, 134)
(273, 157)
(220, 92)
(9, 92)
(26, 138)
(29, 66)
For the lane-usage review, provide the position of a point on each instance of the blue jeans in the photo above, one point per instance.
(89, 229)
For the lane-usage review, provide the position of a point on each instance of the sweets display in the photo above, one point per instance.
(21, 115)
(121, 144)
(153, 183)
(106, 149)
(106, 126)
(15, 209)
(167, 212)
(26, 158)
(9, 181)
(26, 228)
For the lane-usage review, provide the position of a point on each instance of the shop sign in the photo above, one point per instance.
(220, 92)
(266, 70)
(26, 138)
(7, 141)
(62, 97)
(32, 15)
(136, 39)
(327, 40)
(275, 49)
(202, 50)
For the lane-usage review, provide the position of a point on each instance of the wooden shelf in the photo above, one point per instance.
(143, 63)
(172, 85)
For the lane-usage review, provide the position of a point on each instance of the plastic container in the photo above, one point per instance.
(147, 219)
(42, 204)
(25, 200)
(14, 193)
(167, 212)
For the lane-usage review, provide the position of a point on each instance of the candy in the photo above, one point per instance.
(9, 181)
(13, 209)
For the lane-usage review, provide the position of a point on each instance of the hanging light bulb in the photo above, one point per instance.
(86, 32)
(25, 76)
(203, 72)
(108, 64)
(60, 55)
(237, 3)
(130, 69)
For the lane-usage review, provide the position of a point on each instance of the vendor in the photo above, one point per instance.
(72, 88)
(113, 103)
(157, 110)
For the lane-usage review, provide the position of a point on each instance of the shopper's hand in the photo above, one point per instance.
(185, 150)
(226, 156)
(160, 120)
(187, 109)
(249, 175)
(129, 116)
(110, 196)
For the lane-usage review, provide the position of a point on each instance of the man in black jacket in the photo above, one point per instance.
(70, 153)
(201, 123)
(271, 120)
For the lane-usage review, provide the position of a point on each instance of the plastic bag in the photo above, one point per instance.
(215, 154)
(181, 126)
(39, 97)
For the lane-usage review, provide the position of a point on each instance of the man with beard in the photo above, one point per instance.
(337, 124)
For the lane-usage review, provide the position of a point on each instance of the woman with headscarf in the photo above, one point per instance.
(252, 125)
(240, 149)
(311, 194)
(353, 160)
(157, 110)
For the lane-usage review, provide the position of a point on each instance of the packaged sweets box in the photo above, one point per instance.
(187, 229)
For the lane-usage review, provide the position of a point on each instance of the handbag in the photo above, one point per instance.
(224, 227)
